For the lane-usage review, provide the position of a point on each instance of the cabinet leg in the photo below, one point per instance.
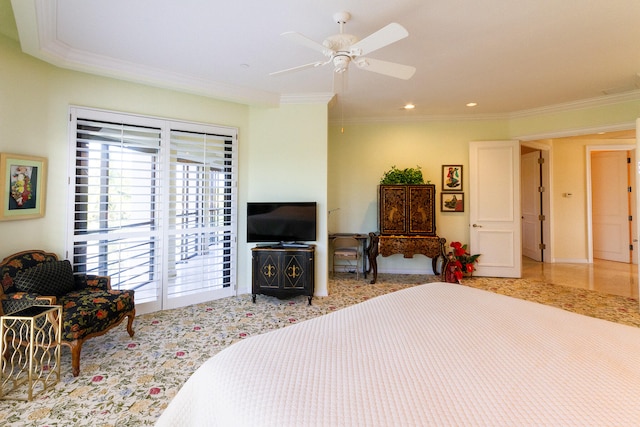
(373, 265)
(310, 297)
(253, 297)
(372, 253)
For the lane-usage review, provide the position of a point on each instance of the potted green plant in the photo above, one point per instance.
(402, 176)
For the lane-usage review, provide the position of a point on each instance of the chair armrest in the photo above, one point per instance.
(19, 300)
(92, 281)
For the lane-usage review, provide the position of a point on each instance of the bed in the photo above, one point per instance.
(435, 354)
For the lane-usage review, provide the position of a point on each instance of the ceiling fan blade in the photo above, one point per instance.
(392, 69)
(298, 68)
(381, 38)
(305, 41)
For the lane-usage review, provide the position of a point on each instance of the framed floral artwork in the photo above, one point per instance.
(452, 202)
(451, 177)
(22, 186)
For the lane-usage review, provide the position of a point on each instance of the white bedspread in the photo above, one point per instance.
(436, 354)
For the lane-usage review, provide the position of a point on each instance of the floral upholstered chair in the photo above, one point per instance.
(89, 306)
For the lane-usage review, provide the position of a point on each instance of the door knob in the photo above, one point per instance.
(477, 226)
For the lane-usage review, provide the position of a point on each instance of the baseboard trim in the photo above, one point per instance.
(405, 271)
(571, 261)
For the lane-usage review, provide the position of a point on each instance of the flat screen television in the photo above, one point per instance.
(281, 222)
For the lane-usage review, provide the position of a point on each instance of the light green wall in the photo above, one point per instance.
(360, 155)
(34, 108)
(288, 162)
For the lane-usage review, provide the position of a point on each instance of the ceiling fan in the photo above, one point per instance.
(342, 49)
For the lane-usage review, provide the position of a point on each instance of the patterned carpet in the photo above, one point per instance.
(129, 382)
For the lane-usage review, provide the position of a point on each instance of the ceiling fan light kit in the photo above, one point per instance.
(342, 49)
(341, 63)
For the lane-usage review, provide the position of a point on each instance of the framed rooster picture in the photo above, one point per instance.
(451, 177)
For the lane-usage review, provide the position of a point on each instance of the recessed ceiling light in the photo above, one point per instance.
(472, 104)
(409, 106)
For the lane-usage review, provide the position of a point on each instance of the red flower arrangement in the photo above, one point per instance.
(460, 261)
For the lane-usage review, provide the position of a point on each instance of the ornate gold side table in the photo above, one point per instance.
(30, 351)
(429, 246)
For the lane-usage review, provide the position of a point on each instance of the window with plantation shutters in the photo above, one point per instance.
(201, 212)
(154, 206)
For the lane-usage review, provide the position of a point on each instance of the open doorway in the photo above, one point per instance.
(540, 189)
(567, 190)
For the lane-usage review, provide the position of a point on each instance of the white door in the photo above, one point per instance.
(531, 205)
(610, 205)
(494, 200)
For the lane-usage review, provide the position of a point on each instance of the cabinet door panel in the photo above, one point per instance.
(295, 270)
(422, 210)
(393, 209)
(266, 270)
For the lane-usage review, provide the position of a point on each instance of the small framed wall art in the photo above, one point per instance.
(452, 202)
(451, 177)
(22, 186)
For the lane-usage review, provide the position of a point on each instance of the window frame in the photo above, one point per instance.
(160, 219)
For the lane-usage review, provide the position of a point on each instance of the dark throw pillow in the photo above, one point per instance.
(47, 278)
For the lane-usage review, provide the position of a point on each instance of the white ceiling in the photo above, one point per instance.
(509, 56)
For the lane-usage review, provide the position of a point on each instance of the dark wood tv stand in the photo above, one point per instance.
(283, 271)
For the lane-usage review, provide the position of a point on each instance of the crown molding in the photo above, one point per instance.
(583, 104)
(307, 98)
(36, 21)
(36, 24)
(577, 132)
(411, 118)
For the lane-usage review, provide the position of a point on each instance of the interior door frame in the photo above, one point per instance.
(591, 149)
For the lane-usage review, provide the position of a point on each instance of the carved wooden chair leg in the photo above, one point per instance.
(76, 348)
(131, 316)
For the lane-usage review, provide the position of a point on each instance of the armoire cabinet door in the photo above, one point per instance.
(407, 210)
(422, 213)
(393, 209)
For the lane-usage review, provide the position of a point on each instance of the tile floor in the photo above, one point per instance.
(605, 276)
